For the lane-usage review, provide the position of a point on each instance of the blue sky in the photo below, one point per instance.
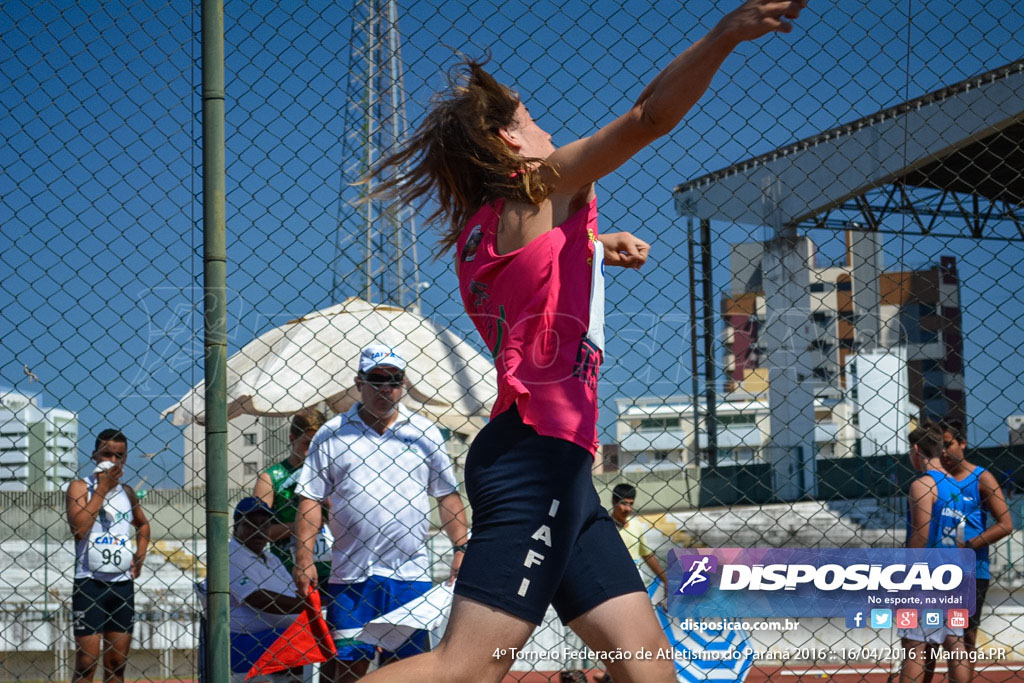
(101, 184)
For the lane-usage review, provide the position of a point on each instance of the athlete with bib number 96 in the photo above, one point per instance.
(522, 217)
(102, 512)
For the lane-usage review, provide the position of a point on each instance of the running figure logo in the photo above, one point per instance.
(696, 569)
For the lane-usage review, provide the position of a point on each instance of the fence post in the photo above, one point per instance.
(215, 342)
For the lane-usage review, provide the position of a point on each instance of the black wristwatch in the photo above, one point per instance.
(460, 548)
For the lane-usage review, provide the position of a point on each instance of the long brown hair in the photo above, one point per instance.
(457, 157)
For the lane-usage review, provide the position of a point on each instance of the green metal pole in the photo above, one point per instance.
(218, 644)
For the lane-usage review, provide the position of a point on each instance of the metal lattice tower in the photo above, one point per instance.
(376, 251)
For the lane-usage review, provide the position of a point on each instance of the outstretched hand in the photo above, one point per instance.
(755, 18)
(624, 250)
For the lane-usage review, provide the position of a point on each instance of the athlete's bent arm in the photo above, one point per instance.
(264, 490)
(921, 498)
(142, 532)
(274, 603)
(994, 501)
(655, 566)
(83, 508)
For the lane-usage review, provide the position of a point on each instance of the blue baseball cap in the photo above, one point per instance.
(249, 505)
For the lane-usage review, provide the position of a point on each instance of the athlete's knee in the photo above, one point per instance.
(85, 666)
(462, 669)
(115, 662)
(662, 671)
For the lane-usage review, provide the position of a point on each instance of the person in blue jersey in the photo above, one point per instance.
(927, 527)
(982, 496)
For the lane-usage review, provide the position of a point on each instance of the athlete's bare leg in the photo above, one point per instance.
(604, 629)
(116, 645)
(87, 657)
(466, 654)
(959, 669)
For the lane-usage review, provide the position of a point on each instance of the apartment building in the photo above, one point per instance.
(38, 446)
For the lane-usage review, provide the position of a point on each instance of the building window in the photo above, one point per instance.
(737, 420)
(823, 374)
(249, 438)
(844, 285)
(658, 424)
(817, 286)
(932, 373)
(919, 335)
(739, 455)
(250, 469)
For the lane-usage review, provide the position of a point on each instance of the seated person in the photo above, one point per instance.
(263, 599)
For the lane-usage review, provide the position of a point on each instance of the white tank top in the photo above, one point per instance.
(106, 553)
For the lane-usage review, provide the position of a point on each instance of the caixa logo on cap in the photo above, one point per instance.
(696, 573)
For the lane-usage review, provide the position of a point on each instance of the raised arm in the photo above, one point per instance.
(83, 508)
(667, 99)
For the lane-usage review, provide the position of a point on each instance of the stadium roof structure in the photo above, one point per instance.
(955, 155)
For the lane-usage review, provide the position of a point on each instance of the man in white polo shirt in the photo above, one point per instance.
(375, 464)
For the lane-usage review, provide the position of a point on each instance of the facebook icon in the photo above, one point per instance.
(855, 620)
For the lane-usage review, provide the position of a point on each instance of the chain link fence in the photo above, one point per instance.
(837, 237)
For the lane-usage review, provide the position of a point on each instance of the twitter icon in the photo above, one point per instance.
(881, 618)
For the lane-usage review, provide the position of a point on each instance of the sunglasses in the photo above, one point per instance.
(382, 379)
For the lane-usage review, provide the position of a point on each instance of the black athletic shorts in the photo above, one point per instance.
(540, 535)
(101, 607)
(981, 590)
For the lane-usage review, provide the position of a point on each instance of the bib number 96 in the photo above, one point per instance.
(109, 554)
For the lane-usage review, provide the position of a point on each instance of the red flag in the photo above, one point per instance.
(307, 641)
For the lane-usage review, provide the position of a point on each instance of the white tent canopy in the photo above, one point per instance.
(313, 360)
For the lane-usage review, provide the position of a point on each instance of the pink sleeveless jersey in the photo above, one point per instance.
(540, 310)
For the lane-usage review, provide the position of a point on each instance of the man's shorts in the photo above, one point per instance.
(353, 605)
(540, 535)
(933, 635)
(981, 591)
(102, 607)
